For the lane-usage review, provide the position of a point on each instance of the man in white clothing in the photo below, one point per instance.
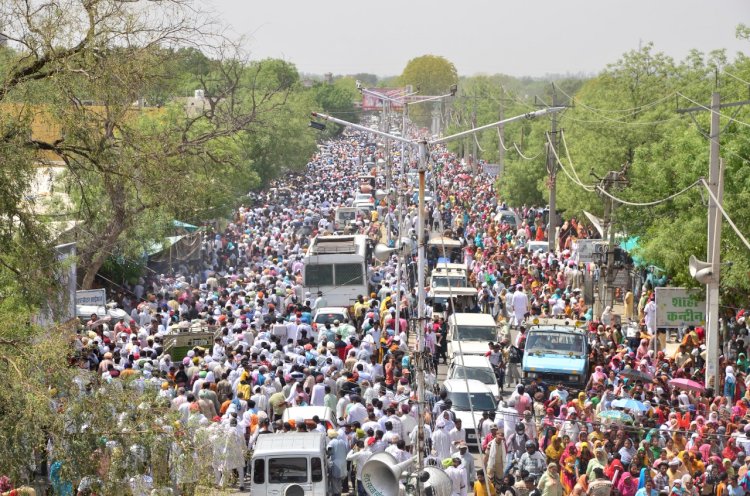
(519, 304)
(457, 475)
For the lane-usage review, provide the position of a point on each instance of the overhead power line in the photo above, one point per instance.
(587, 187)
(724, 212)
(633, 110)
(736, 77)
(651, 203)
(704, 107)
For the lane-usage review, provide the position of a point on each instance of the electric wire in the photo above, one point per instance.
(518, 150)
(726, 150)
(614, 121)
(586, 187)
(567, 155)
(651, 203)
(736, 77)
(477, 142)
(633, 110)
(724, 213)
(730, 118)
(500, 138)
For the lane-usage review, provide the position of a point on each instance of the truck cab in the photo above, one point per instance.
(556, 354)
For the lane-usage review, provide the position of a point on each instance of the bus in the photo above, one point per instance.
(337, 267)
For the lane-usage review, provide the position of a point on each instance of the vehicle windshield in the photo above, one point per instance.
(562, 343)
(483, 375)
(328, 318)
(447, 281)
(482, 402)
(347, 215)
(509, 218)
(476, 333)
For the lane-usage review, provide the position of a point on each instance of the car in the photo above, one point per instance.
(365, 207)
(509, 217)
(364, 197)
(329, 315)
(308, 412)
(468, 395)
(535, 246)
(474, 367)
(469, 333)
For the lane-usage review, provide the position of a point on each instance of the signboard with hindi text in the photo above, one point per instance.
(91, 297)
(677, 307)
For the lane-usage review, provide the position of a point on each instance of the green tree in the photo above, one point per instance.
(428, 75)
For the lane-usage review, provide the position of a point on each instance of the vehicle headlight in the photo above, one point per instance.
(572, 377)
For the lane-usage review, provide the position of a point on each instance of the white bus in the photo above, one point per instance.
(337, 267)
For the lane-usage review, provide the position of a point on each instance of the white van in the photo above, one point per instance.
(344, 216)
(473, 330)
(292, 463)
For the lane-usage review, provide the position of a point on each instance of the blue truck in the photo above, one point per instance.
(556, 354)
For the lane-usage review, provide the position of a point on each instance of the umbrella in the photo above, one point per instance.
(615, 415)
(636, 375)
(630, 404)
(687, 384)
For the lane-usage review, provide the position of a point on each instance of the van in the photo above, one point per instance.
(344, 216)
(469, 333)
(290, 463)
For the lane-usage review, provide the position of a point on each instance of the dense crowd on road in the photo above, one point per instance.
(671, 434)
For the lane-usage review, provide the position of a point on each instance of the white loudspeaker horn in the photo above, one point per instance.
(382, 252)
(700, 271)
(438, 484)
(380, 474)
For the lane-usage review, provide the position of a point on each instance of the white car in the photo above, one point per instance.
(330, 315)
(364, 197)
(308, 412)
(477, 368)
(476, 397)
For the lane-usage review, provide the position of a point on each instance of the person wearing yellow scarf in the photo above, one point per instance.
(555, 449)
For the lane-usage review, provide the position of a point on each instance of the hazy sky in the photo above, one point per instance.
(517, 37)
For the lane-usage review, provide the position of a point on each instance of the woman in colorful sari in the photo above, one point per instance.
(628, 483)
(568, 475)
(555, 450)
(581, 487)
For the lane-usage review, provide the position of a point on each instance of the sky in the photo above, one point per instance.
(516, 37)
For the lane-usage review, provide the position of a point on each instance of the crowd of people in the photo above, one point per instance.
(673, 436)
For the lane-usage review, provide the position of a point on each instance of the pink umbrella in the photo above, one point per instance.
(687, 384)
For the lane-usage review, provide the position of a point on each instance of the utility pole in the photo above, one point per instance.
(475, 151)
(713, 277)
(606, 280)
(552, 171)
(501, 134)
